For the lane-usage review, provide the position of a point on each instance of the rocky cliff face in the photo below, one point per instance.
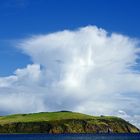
(70, 126)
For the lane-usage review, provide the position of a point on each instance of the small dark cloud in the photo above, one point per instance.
(59, 61)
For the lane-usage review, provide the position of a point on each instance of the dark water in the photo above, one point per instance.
(70, 137)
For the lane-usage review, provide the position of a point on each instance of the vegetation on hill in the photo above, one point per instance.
(64, 122)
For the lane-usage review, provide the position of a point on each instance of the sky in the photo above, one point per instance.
(79, 55)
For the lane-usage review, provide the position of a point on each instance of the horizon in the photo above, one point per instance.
(82, 56)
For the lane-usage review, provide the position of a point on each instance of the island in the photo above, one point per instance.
(64, 122)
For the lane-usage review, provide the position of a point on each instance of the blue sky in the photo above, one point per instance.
(78, 52)
(23, 18)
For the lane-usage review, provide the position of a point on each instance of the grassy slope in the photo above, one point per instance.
(50, 116)
(63, 122)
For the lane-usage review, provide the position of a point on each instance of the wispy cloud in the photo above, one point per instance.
(15, 3)
(84, 70)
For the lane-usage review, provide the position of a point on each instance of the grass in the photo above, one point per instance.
(63, 122)
(51, 116)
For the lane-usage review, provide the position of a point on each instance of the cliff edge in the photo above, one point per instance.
(64, 122)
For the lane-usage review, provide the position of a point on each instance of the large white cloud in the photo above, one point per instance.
(86, 70)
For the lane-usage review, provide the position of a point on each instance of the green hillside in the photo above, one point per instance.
(64, 122)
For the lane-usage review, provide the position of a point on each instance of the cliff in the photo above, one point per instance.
(64, 122)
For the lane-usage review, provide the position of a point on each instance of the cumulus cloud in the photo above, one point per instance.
(87, 70)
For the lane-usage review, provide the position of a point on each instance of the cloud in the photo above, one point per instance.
(15, 3)
(87, 70)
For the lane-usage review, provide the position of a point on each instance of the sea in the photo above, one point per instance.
(70, 137)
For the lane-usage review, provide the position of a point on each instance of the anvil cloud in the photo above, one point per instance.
(87, 70)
